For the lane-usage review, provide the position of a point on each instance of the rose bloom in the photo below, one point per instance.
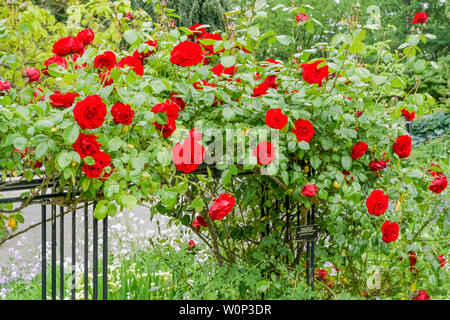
(438, 172)
(134, 63)
(304, 130)
(152, 46)
(264, 153)
(86, 36)
(4, 86)
(186, 53)
(222, 206)
(359, 149)
(302, 17)
(420, 18)
(276, 119)
(402, 146)
(219, 69)
(376, 165)
(177, 100)
(209, 48)
(196, 31)
(438, 184)
(261, 89)
(67, 45)
(31, 74)
(188, 156)
(412, 258)
(102, 160)
(105, 78)
(90, 112)
(60, 61)
(377, 203)
(441, 260)
(409, 116)
(421, 295)
(390, 231)
(86, 145)
(191, 245)
(358, 113)
(309, 190)
(199, 222)
(129, 16)
(313, 75)
(60, 100)
(106, 60)
(122, 113)
(171, 110)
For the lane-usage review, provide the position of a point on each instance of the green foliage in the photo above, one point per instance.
(431, 126)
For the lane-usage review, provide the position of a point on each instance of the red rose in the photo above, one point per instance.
(302, 17)
(102, 160)
(86, 36)
(219, 69)
(186, 53)
(105, 78)
(435, 172)
(390, 231)
(199, 222)
(402, 146)
(408, 115)
(375, 165)
(31, 74)
(152, 46)
(442, 261)
(438, 184)
(129, 16)
(37, 96)
(270, 80)
(209, 48)
(309, 190)
(86, 145)
(420, 18)
(421, 295)
(358, 113)
(4, 87)
(179, 101)
(412, 258)
(264, 153)
(313, 75)
(276, 119)
(191, 245)
(122, 113)
(60, 61)
(304, 130)
(90, 112)
(359, 149)
(261, 89)
(106, 60)
(60, 100)
(67, 45)
(377, 203)
(171, 110)
(134, 63)
(321, 275)
(222, 206)
(189, 155)
(196, 31)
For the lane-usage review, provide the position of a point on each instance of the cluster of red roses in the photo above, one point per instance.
(322, 276)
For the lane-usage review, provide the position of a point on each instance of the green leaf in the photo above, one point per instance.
(346, 162)
(164, 158)
(228, 61)
(197, 204)
(70, 134)
(130, 36)
(303, 145)
(315, 162)
(228, 113)
(20, 143)
(114, 144)
(100, 210)
(64, 159)
(41, 149)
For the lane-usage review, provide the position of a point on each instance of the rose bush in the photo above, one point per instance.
(117, 128)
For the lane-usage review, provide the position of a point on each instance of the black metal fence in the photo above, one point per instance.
(45, 204)
(305, 234)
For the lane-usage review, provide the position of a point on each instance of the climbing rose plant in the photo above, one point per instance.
(122, 128)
